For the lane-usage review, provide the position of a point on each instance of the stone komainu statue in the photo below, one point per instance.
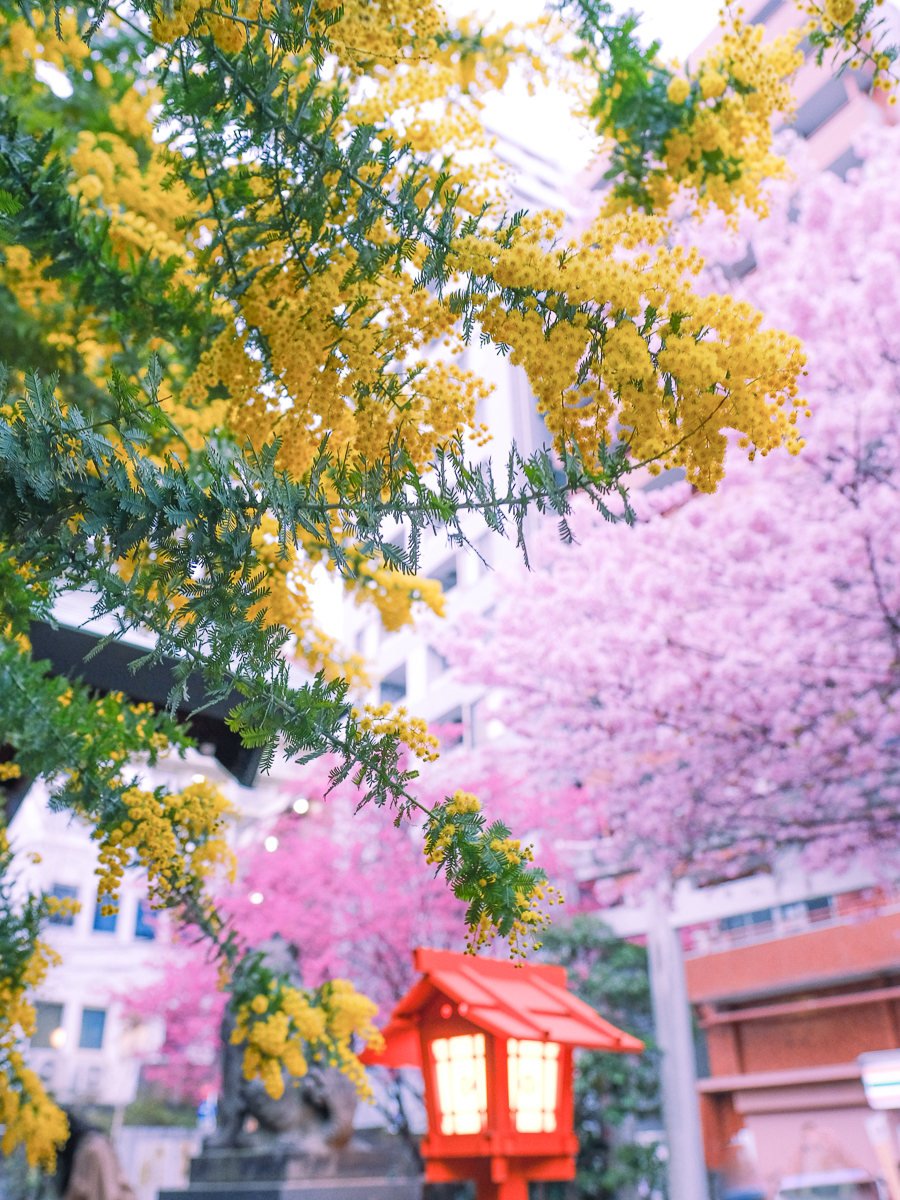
(313, 1116)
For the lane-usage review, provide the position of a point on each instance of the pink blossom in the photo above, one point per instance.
(352, 893)
(722, 682)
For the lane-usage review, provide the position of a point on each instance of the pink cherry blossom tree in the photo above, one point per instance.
(722, 681)
(346, 891)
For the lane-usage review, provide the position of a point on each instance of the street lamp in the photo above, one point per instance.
(494, 1041)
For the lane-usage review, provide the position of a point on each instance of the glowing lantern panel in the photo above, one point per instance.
(461, 1083)
(533, 1084)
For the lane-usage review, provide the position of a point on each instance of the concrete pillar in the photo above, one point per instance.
(672, 1017)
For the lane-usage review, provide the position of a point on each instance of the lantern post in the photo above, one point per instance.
(494, 1041)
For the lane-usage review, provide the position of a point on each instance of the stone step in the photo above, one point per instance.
(228, 1165)
(380, 1187)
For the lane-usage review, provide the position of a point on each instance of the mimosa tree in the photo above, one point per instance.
(237, 262)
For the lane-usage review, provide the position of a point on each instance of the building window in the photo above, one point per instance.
(393, 686)
(819, 909)
(805, 911)
(92, 1022)
(437, 665)
(48, 1030)
(449, 728)
(762, 916)
(145, 923)
(845, 162)
(104, 924)
(446, 574)
(767, 10)
(819, 108)
(62, 891)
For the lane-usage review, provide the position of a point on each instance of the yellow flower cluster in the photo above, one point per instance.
(525, 929)
(375, 40)
(278, 1040)
(158, 741)
(463, 802)
(368, 36)
(512, 850)
(362, 37)
(332, 376)
(436, 848)
(482, 61)
(678, 90)
(846, 32)
(350, 1013)
(644, 357)
(418, 94)
(284, 578)
(177, 838)
(112, 181)
(293, 1024)
(227, 27)
(10, 770)
(393, 593)
(28, 1115)
(36, 38)
(722, 152)
(530, 916)
(411, 731)
(59, 905)
(37, 296)
(333, 346)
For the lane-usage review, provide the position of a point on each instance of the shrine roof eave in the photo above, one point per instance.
(535, 1007)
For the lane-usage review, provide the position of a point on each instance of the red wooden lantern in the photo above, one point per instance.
(494, 1041)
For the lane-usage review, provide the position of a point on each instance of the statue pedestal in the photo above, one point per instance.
(365, 1169)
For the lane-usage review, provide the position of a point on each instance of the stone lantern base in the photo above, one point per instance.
(366, 1169)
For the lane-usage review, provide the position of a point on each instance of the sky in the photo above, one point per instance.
(543, 122)
(680, 26)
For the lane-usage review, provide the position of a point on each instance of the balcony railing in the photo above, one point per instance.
(787, 920)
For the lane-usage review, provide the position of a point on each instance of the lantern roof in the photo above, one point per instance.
(528, 1001)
